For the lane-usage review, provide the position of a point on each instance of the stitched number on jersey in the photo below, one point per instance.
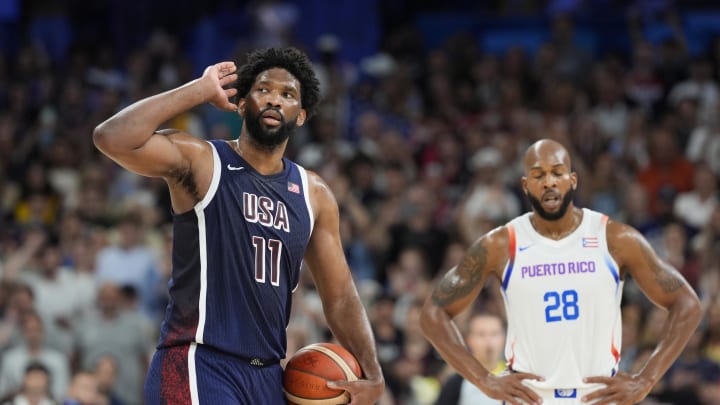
(561, 306)
(274, 247)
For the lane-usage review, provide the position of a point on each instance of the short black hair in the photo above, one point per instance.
(291, 59)
(37, 366)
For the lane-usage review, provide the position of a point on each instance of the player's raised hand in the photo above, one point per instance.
(220, 75)
(508, 387)
(622, 389)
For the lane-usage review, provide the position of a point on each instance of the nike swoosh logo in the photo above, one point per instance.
(521, 248)
(231, 167)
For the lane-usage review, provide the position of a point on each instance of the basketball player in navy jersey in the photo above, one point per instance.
(245, 218)
(561, 271)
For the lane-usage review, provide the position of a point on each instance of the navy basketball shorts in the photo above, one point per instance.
(198, 375)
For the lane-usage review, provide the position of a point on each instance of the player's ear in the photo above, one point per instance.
(523, 184)
(302, 116)
(574, 180)
(241, 107)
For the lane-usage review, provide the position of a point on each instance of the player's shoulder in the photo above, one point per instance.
(499, 234)
(622, 239)
(618, 231)
(496, 245)
(317, 184)
(497, 240)
(322, 199)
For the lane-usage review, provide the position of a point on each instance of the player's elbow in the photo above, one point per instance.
(101, 137)
(110, 140)
(690, 308)
(430, 318)
(695, 309)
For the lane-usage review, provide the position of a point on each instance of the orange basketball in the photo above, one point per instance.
(311, 367)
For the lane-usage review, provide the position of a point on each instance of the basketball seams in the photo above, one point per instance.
(349, 373)
(308, 372)
(344, 396)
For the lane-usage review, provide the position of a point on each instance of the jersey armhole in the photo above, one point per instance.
(512, 245)
(214, 182)
(306, 194)
(610, 261)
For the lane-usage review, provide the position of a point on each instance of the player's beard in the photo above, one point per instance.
(551, 216)
(264, 137)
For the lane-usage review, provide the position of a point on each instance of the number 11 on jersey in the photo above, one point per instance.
(262, 246)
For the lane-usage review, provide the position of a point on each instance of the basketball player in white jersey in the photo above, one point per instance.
(561, 270)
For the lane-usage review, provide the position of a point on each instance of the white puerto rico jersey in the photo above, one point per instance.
(562, 299)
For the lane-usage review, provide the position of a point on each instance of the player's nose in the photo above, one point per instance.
(273, 99)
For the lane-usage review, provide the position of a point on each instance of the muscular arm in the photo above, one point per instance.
(665, 287)
(132, 139)
(453, 294)
(343, 309)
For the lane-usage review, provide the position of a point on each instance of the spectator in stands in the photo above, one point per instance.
(21, 301)
(35, 388)
(695, 207)
(485, 337)
(33, 350)
(668, 173)
(54, 287)
(700, 86)
(106, 369)
(84, 390)
(131, 262)
(487, 201)
(113, 330)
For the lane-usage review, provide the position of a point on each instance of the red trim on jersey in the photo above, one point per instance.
(615, 352)
(512, 245)
(511, 360)
(513, 241)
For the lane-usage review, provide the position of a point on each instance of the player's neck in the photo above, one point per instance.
(559, 228)
(264, 161)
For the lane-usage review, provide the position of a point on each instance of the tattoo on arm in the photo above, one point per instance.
(462, 280)
(666, 275)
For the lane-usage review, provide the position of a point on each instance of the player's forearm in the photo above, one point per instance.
(683, 318)
(439, 329)
(131, 127)
(349, 323)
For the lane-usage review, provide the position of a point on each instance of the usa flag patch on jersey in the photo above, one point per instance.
(293, 187)
(590, 242)
(566, 393)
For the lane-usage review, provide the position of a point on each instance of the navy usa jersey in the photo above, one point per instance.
(236, 259)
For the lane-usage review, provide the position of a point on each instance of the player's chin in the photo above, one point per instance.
(271, 127)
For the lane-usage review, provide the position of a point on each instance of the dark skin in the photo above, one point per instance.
(131, 139)
(548, 177)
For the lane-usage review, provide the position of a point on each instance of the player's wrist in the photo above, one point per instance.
(376, 379)
(485, 379)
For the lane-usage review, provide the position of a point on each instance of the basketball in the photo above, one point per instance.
(311, 367)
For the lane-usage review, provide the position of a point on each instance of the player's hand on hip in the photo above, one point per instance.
(362, 392)
(622, 389)
(220, 75)
(508, 387)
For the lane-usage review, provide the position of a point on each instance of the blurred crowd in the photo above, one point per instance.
(422, 148)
